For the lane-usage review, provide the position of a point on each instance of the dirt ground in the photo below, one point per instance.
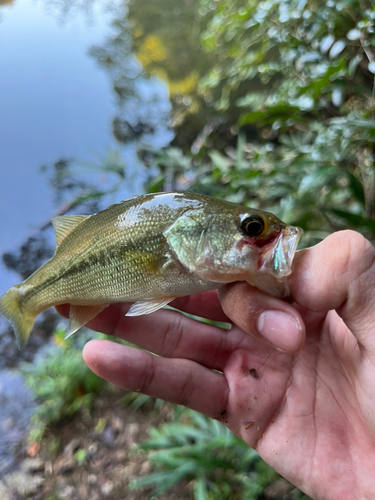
(92, 456)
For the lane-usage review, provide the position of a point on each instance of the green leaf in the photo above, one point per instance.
(337, 48)
(316, 179)
(357, 188)
(220, 161)
(363, 123)
(353, 64)
(200, 490)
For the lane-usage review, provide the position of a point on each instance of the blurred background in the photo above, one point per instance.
(269, 104)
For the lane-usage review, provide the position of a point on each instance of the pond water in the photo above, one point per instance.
(58, 102)
(48, 85)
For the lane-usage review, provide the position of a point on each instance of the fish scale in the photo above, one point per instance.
(149, 250)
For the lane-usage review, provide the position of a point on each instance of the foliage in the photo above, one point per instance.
(205, 451)
(301, 77)
(80, 187)
(61, 383)
(29, 256)
(311, 56)
(136, 400)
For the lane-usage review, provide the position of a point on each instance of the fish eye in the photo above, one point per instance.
(252, 226)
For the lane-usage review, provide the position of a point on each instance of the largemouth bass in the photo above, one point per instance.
(149, 250)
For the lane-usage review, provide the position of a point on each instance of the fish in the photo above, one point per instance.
(149, 250)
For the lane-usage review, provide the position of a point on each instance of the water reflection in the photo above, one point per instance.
(143, 104)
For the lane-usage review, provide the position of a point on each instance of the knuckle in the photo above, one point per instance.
(147, 376)
(356, 254)
(358, 267)
(357, 243)
(187, 389)
(173, 336)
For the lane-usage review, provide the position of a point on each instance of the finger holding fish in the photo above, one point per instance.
(206, 303)
(168, 334)
(172, 334)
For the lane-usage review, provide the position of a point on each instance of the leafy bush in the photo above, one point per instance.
(297, 179)
(300, 60)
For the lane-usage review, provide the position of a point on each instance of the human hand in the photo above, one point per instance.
(309, 411)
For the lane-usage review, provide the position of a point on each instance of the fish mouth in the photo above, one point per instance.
(278, 259)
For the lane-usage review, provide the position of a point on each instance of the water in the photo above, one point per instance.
(48, 85)
(57, 101)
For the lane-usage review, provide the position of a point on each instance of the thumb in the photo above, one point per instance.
(339, 274)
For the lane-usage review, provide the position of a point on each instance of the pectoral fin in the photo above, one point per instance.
(148, 306)
(80, 315)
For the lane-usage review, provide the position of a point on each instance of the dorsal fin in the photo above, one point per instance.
(64, 224)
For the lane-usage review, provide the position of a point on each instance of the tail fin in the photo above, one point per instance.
(20, 318)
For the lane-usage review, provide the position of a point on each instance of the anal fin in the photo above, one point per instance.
(80, 315)
(148, 306)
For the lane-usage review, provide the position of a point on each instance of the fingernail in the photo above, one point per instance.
(280, 329)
